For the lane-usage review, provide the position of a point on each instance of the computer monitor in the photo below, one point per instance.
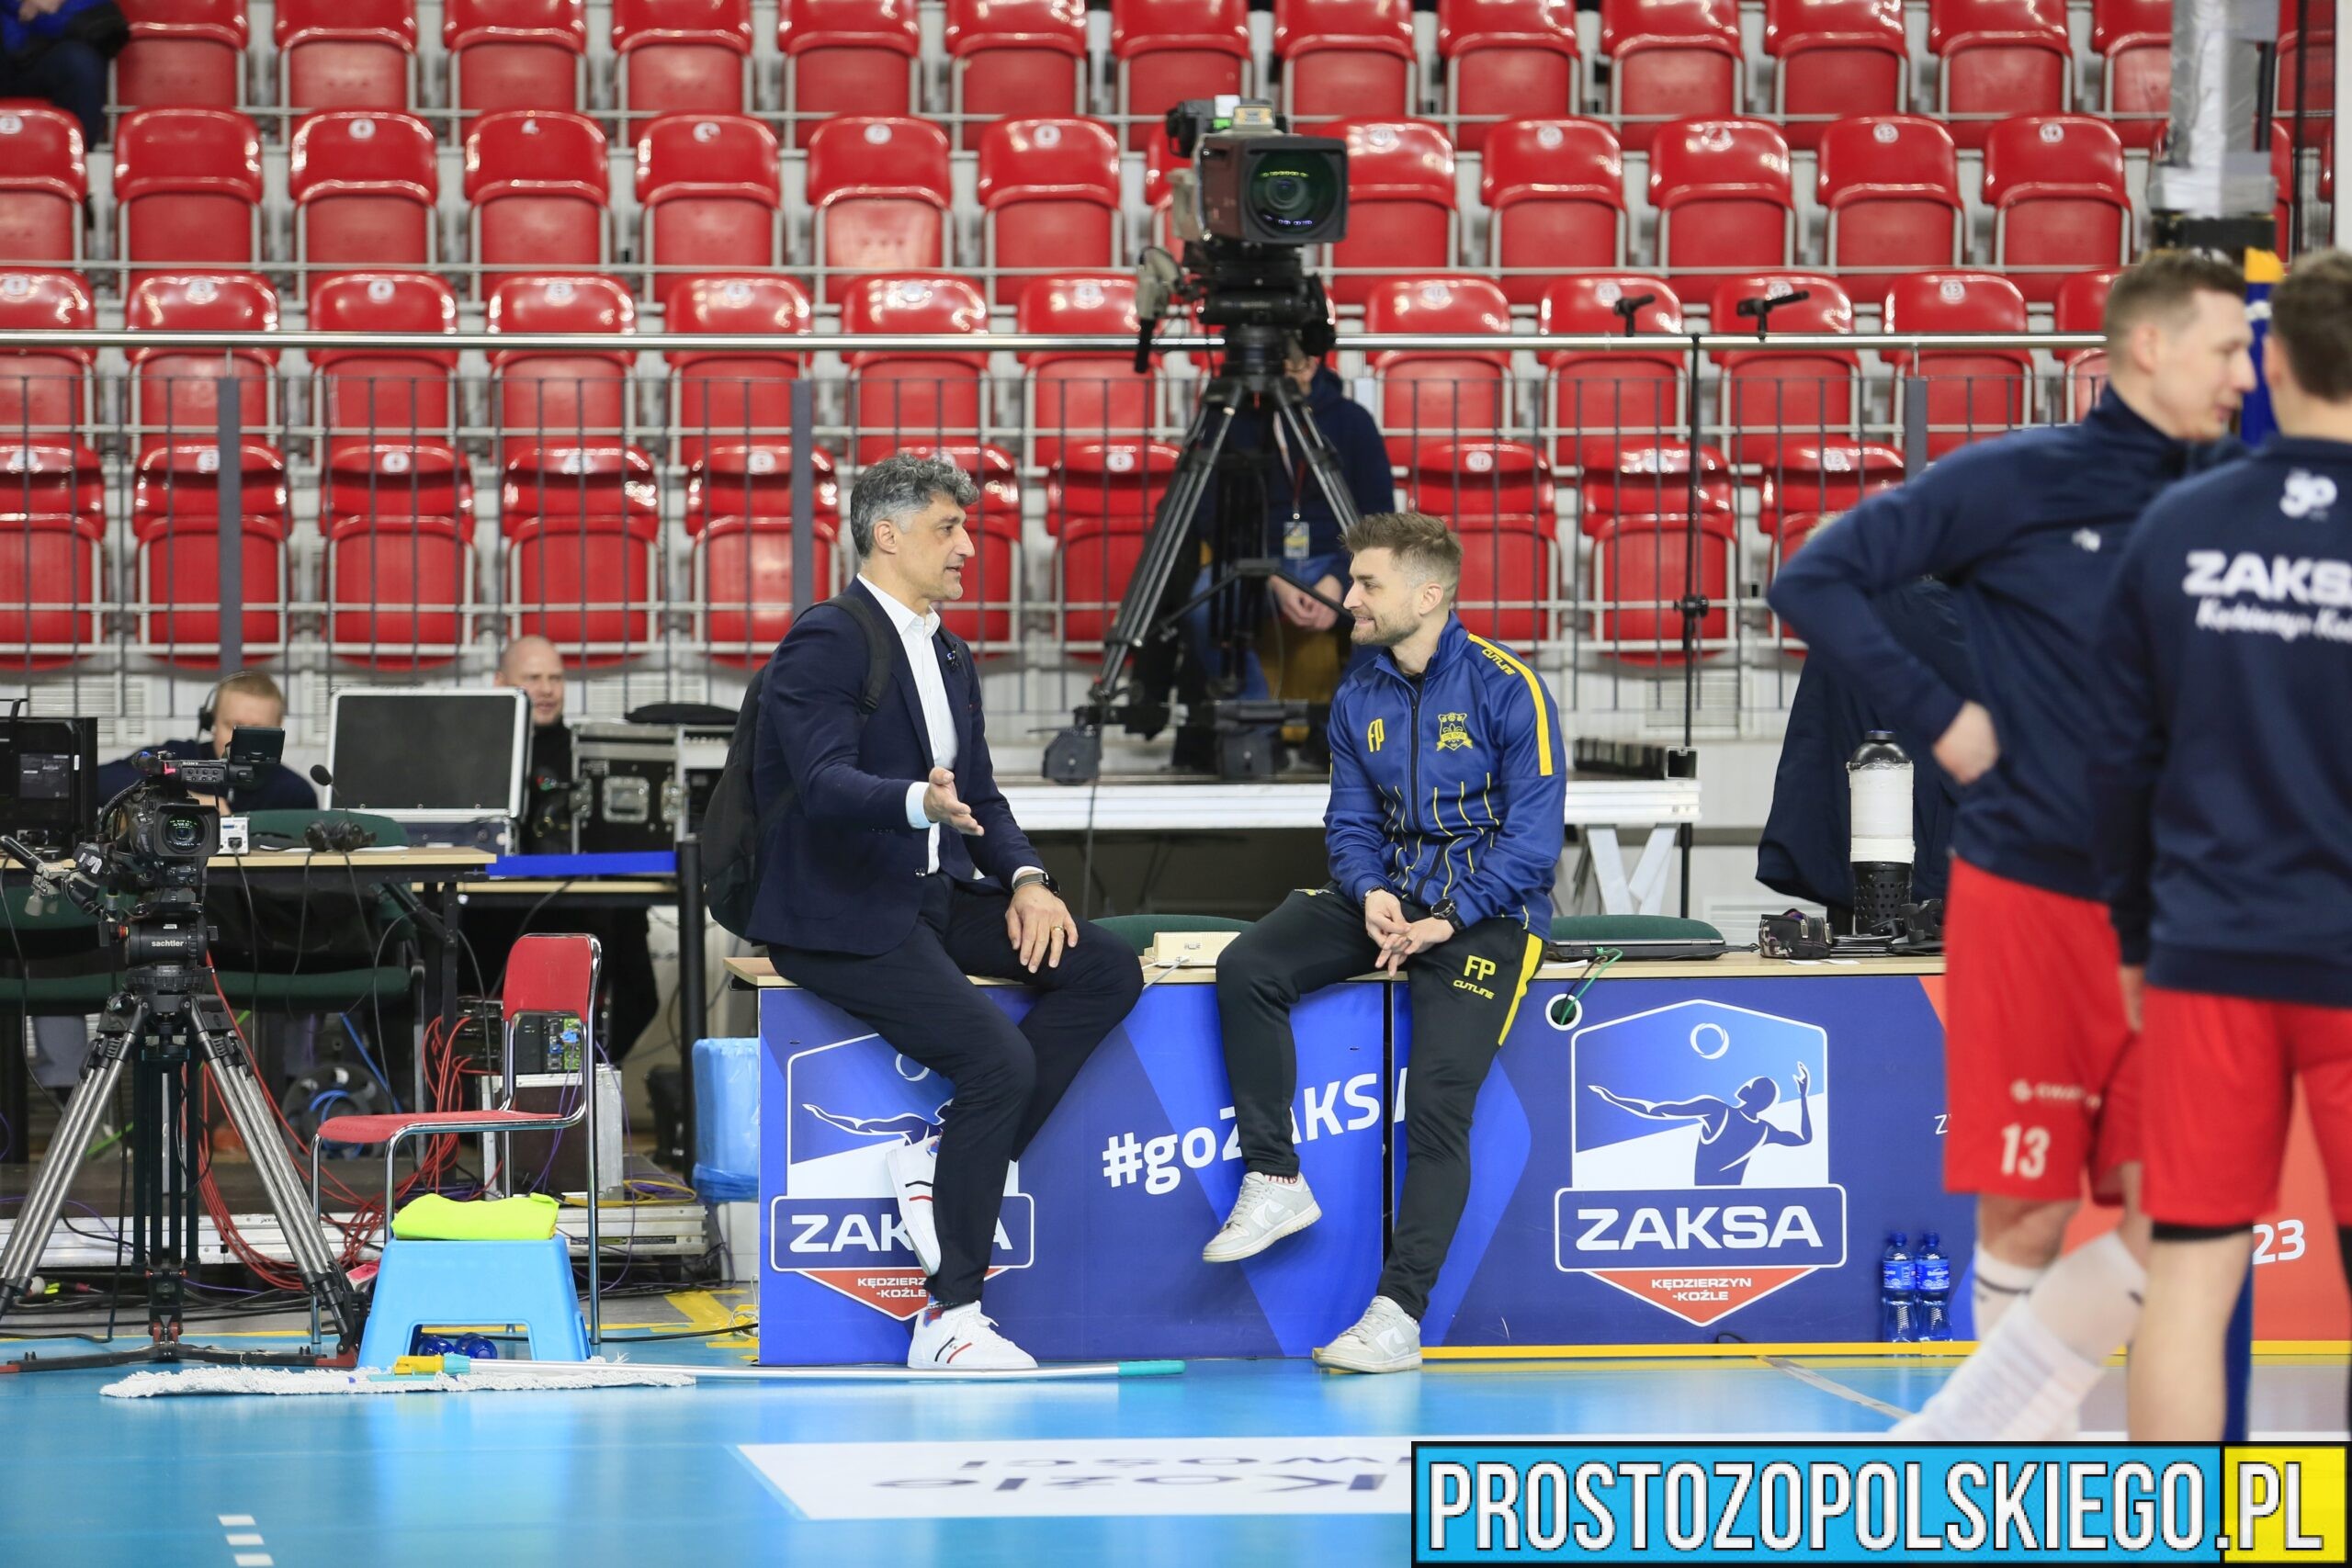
(431, 754)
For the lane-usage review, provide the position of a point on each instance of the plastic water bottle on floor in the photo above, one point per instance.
(1898, 1290)
(1930, 1319)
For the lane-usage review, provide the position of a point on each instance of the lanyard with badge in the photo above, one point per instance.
(1296, 538)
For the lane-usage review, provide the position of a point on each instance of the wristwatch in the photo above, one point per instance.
(1443, 910)
(1033, 878)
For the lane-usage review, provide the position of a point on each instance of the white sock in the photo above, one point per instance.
(1995, 1286)
(2029, 1377)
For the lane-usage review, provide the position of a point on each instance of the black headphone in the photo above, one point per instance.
(205, 710)
(339, 836)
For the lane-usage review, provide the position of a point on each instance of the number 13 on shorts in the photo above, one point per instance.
(2025, 1151)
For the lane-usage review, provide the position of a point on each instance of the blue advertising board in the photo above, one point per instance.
(1667, 1166)
(1098, 1248)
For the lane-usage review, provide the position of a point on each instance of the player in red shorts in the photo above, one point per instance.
(2223, 787)
(2026, 530)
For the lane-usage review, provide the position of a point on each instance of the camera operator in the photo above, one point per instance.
(1299, 527)
(533, 666)
(248, 697)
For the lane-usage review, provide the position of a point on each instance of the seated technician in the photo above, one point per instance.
(1449, 780)
(248, 697)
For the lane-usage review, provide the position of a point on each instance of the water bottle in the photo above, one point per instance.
(1878, 783)
(1932, 1319)
(1898, 1285)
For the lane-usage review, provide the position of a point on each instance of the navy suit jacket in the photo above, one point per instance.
(841, 870)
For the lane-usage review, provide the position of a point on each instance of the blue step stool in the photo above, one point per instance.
(446, 1283)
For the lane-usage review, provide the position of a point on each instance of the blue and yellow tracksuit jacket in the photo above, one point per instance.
(1451, 786)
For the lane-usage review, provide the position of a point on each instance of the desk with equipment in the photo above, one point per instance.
(1710, 1194)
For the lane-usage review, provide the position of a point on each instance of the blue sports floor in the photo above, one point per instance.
(724, 1474)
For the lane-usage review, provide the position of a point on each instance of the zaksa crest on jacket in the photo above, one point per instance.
(1453, 732)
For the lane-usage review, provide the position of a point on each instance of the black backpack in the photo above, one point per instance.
(734, 828)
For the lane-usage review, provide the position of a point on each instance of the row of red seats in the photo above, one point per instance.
(188, 186)
(1672, 59)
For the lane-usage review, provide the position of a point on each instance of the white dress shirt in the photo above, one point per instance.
(915, 633)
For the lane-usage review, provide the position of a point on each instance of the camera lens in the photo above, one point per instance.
(1295, 196)
(183, 833)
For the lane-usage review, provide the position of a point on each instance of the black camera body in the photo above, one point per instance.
(1257, 184)
(158, 830)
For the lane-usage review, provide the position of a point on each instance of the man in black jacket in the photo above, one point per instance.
(248, 697)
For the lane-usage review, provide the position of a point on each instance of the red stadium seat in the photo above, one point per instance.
(578, 507)
(378, 402)
(364, 184)
(537, 186)
(396, 505)
(1346, 57)
(1670, 59)
(182, 54)
(2284, 173)
(847, 57)
(1497, 495)
(53, 517)
(681, 57)
(44, 393)
(1556, 188)
(1049, 191)
(53, 561)
(880, 191)
(898, 397)
(1601, 398)
(1772, 396)
(1084, 396)
(1972, 393)
(984, 616)
(188, 189)
(1835, 58)
(346, 54)
(1812, 486)
(739, 527)
(43, 181)
(2056, 186)
(2134, 38)
(2082, 308)
(1996, 58)
(174, 391)
(733, 403)
(1430, 397)
(514, 54)
(1889, 190)
(1098, 505)
(1638, 515)
(175, 527)
(1014, 57)
(2313, 59)
(551, 403)
(1168, 50)
(710, 191)
(1400, 203)
(1505, 60)
(1721, 187)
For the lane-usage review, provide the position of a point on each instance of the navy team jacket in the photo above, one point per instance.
(1451, 786)
(2224, 769)
(2026, 529)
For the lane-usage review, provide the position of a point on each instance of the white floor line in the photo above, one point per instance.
(1830, 1385)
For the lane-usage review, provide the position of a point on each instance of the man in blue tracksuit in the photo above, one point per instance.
(2026, 530)
(2224, 802)
(1449, 775)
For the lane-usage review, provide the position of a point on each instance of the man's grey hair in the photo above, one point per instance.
(899, 486)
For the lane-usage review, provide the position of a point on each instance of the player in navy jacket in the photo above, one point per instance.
(1449, 775)
(2026, 530)
(2225, 808)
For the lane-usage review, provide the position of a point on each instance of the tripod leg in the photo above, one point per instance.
(1171, 526)
(1322, 463)
(21, 1260)
(300, 1224)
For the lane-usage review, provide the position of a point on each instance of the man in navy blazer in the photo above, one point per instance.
(897, 870)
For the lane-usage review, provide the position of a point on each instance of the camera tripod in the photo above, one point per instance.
(1250, 376)
(168, 1027)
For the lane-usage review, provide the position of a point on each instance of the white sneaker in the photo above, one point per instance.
(1385, 1340)
(961, 1340)
(912, 1168)
(1266, 1212)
